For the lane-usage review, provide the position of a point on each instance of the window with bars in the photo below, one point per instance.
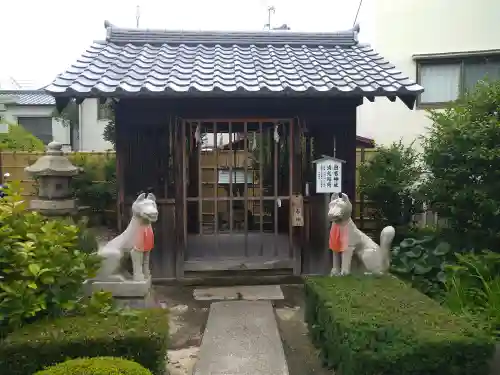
(103, 111)
(445, 80)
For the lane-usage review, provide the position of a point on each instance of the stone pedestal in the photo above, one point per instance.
(54, 207)
(134, 294)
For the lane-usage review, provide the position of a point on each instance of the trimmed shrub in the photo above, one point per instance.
(141, 336)
(379, 325)
(96, 366)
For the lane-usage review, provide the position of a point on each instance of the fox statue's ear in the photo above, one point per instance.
(344, 197)
(151, 197)
(141, 197)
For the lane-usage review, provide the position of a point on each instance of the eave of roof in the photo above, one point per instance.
(26, 97)
(456, 55)
(134, 62)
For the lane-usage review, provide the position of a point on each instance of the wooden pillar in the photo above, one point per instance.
(119, 154)
(180, 194)
(346, 150)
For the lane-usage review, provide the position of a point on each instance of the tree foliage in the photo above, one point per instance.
(109, 133)
(69, 115)
(388, 180)
(19, 139)
(462, 154)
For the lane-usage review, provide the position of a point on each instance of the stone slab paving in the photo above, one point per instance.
(241, 338)
(249, 293)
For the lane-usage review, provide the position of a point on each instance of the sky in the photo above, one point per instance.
(40, 39)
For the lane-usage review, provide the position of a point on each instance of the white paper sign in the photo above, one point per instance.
(328, 176)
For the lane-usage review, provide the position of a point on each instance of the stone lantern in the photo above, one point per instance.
(54, 172)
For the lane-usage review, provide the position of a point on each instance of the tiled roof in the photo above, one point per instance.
(135, 62)
(26, 97)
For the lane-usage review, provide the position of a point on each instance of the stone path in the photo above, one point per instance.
(241, 338)
(247, 293)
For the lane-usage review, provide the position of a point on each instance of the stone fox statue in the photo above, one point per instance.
(137, 239)
(346, 240)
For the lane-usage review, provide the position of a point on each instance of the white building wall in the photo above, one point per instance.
(91, 129)
(399, 30)
(60, 132)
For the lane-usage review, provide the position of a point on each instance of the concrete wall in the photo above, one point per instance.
(60, 132)
(91, 128)
(399, 30)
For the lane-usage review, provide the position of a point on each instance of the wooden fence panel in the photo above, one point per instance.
(15, 162)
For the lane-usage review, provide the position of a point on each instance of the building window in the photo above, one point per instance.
(445, 80)
(40, 127)
(102, 111)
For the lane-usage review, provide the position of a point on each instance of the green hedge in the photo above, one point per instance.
(96, 366)
(378, 325)
(141, 336)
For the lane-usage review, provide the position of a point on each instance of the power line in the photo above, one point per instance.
(357, 13)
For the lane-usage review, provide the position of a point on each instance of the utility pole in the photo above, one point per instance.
(270, 10)
(137, 15)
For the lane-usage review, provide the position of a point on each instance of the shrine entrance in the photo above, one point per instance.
(239, 184)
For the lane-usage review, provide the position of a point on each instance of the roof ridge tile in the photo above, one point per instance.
(190, 37)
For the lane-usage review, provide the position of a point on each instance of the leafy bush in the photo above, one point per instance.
(422, 262)
(97, 186)
(19, 139)
(41, 266)
(388, 180)
(462, 155)
(379, 325)
(87, 240)
(96, 366)
(473, 288)
(140, 336)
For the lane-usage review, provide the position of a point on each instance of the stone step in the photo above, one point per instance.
(245, 292)
(241, 338)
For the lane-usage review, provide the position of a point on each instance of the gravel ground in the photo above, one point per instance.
(302, 357)
(187, 323)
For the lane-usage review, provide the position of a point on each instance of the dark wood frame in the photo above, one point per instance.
(146, 126)
(246, 261)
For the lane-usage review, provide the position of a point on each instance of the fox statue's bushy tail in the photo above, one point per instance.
(386, 238)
